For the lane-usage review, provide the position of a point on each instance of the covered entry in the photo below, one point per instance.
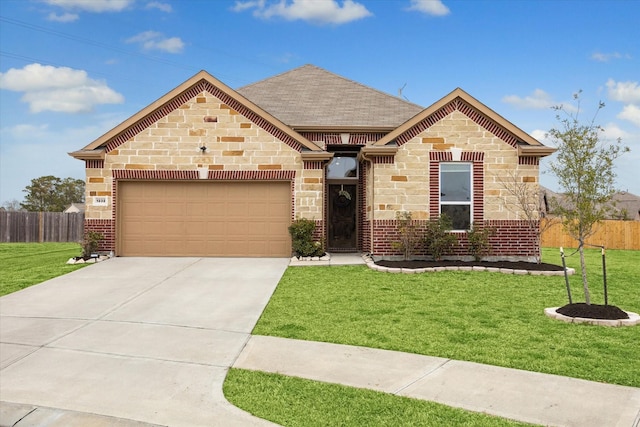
(194, 218)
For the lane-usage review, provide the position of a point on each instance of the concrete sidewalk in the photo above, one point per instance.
(510, 393)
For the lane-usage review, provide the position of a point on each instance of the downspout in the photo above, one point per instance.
(373, 193)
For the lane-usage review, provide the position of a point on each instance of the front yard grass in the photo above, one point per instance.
(475, 316)
(293, 401)
(26, 264)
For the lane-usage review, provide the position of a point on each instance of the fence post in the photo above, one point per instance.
(40, 227)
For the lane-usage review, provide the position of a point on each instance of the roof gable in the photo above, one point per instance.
(459, 100)
(202, 81)
(310, 97)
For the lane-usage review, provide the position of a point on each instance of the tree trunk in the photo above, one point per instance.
(583, 267)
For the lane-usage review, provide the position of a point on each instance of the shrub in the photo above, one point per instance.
(90, 243)
(437, 238)
(479, 244)
(409, 238)
(301, 231)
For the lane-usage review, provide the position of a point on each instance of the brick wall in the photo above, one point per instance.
(511, 240)
(107, 228)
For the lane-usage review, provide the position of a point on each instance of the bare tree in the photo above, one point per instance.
(526, 203)
(12, 206)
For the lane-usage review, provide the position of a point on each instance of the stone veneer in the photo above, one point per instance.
(170, 148)
(238, 148)
(410, 183)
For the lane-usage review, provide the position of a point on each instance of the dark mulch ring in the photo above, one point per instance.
(514, 265)
(592, 311)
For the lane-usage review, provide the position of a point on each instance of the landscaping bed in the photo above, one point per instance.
(513, 265)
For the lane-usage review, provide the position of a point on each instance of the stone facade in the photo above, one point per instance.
(206, 131)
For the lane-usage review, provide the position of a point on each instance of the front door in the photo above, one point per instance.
(342, 216)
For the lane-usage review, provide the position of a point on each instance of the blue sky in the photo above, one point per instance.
(70, 70)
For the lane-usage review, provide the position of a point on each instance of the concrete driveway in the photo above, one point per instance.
(144, 339)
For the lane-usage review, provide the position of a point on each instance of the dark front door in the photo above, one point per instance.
(342, 216)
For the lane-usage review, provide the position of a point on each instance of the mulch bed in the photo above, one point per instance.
(514, 265)
(593, 311)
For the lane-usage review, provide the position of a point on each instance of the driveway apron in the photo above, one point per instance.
(144, 339)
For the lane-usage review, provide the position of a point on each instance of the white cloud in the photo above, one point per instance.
(96, 6)
(59, 89)
(606, 57)
(628, 92)
(538, 100)
(65, 17)
(316, 11)
(631, 113)
(430, 7)
(153, 40)
(540, 135)
(164, 7)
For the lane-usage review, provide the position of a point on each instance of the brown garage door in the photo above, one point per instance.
(204, 218)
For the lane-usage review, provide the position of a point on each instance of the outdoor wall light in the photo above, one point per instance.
(203, 148)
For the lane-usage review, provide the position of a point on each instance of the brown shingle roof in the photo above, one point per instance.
(313, 98)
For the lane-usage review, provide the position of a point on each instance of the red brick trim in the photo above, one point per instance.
(511, 238)
(275, 175)
(153, 174)
(459, 104)
(251, 115)
(336, 138)
(185, 96)
(384, 160)
(107, 228)
(313, 165)
(268, 175)
(94, 164)
(476, 158)
(534, 161)
(426, 123)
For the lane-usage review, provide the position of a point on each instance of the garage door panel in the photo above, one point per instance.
(204, 218)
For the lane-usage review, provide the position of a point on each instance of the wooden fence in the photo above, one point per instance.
(41, 227)
(612, 234)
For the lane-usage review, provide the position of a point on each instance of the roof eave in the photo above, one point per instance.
(370, 151)
(316, 156)
(535, 150)
(88, 154)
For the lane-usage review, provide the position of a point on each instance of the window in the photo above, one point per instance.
(342, 167)
(455, 193)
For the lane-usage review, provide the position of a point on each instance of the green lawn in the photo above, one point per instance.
(26, 264)
(297, 402)
(476, 316)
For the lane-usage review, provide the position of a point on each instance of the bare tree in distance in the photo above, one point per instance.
(585, 170)
(526, 205)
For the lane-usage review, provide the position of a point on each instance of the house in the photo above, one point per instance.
(624, 205)
(75, 208)
(207, 170)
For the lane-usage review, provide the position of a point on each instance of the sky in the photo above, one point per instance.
(71, 70)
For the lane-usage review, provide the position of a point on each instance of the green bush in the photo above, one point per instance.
(479, 244)
(301, 231)
(90, 243)
(438, 240)
(409, 238)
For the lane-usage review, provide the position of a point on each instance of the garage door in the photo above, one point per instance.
(204, 219)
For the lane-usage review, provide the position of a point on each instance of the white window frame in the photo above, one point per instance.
(460, 203)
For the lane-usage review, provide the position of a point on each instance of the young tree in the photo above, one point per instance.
(585, 171)
(52, 194)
